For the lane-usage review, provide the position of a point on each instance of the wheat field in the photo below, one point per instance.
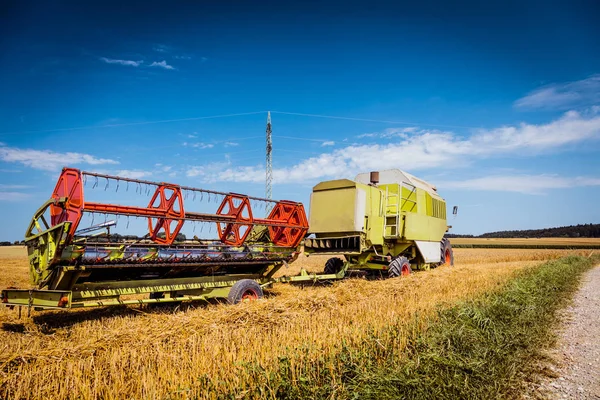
(222, 351)
(528, 241)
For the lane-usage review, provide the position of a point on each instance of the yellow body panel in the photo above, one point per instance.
(423, 227)
(323, 220)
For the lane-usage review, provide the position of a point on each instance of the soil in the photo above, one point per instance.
(575, 370)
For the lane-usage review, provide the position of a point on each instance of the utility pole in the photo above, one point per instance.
(269, 171)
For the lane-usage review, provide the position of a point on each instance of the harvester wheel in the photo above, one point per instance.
(244, 290)
(447, 256)
(333, 266)
(399, 267)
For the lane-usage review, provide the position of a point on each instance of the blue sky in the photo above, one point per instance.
(497, 104)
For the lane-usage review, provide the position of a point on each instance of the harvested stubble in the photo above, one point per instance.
(530, 243)
(220, 350)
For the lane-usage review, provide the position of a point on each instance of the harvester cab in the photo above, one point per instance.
(383, 223)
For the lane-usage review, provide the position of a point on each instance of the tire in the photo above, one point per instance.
(246, 289)
(333, 266)
(399, 267)
(447, 255)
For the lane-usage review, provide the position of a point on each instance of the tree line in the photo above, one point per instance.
(571, 231)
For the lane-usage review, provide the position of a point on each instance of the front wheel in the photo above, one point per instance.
(244, 290)
(333, 266)
(399, 267)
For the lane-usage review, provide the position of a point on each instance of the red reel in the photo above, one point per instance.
(289, 213)
(166, 198)
(237, 206)
(69, 185)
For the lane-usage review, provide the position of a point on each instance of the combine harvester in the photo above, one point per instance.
(385, 224)
(380, 229)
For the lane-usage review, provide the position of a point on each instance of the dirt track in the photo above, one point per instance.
(577, 355)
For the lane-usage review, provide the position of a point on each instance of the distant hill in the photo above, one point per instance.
(571, 231)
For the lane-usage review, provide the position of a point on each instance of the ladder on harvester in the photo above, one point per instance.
(392, 209)
(391, 220)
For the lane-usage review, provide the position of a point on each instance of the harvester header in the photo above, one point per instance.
(71, 267)
(287, 222)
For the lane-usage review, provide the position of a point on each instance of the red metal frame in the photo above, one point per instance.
(287, 221)
(293, 216)
(69, 186)
(171, 202)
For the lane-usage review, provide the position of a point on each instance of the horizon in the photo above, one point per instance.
(499, 108)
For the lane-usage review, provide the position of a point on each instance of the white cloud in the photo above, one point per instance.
(162, 64)
(13, 196)
(561, 96)
(47, 159)
(528, 184)
(390, 133)
(161, 48)
(183, 57)
(428, 149)
(328, 143)
(207, 172)
(130, 63)
(231, 144)
(199, 145)
(572, 127)
(133, 173)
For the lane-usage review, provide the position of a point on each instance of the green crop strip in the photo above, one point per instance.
(479, 349)
(484, 348)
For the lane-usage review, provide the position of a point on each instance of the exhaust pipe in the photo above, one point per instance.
(374, 178)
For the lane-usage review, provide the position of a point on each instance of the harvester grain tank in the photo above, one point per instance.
(383, 223)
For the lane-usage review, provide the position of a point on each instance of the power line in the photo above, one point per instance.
(301, 138)
(299, 152)
(234, 139)
(224, 153)
(134, 123)
(373, 120)
(191, 146)
(237, 115)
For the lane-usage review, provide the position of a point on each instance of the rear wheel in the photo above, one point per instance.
(244, 290)
(399, 267)
(447, 255)
(333, 266)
